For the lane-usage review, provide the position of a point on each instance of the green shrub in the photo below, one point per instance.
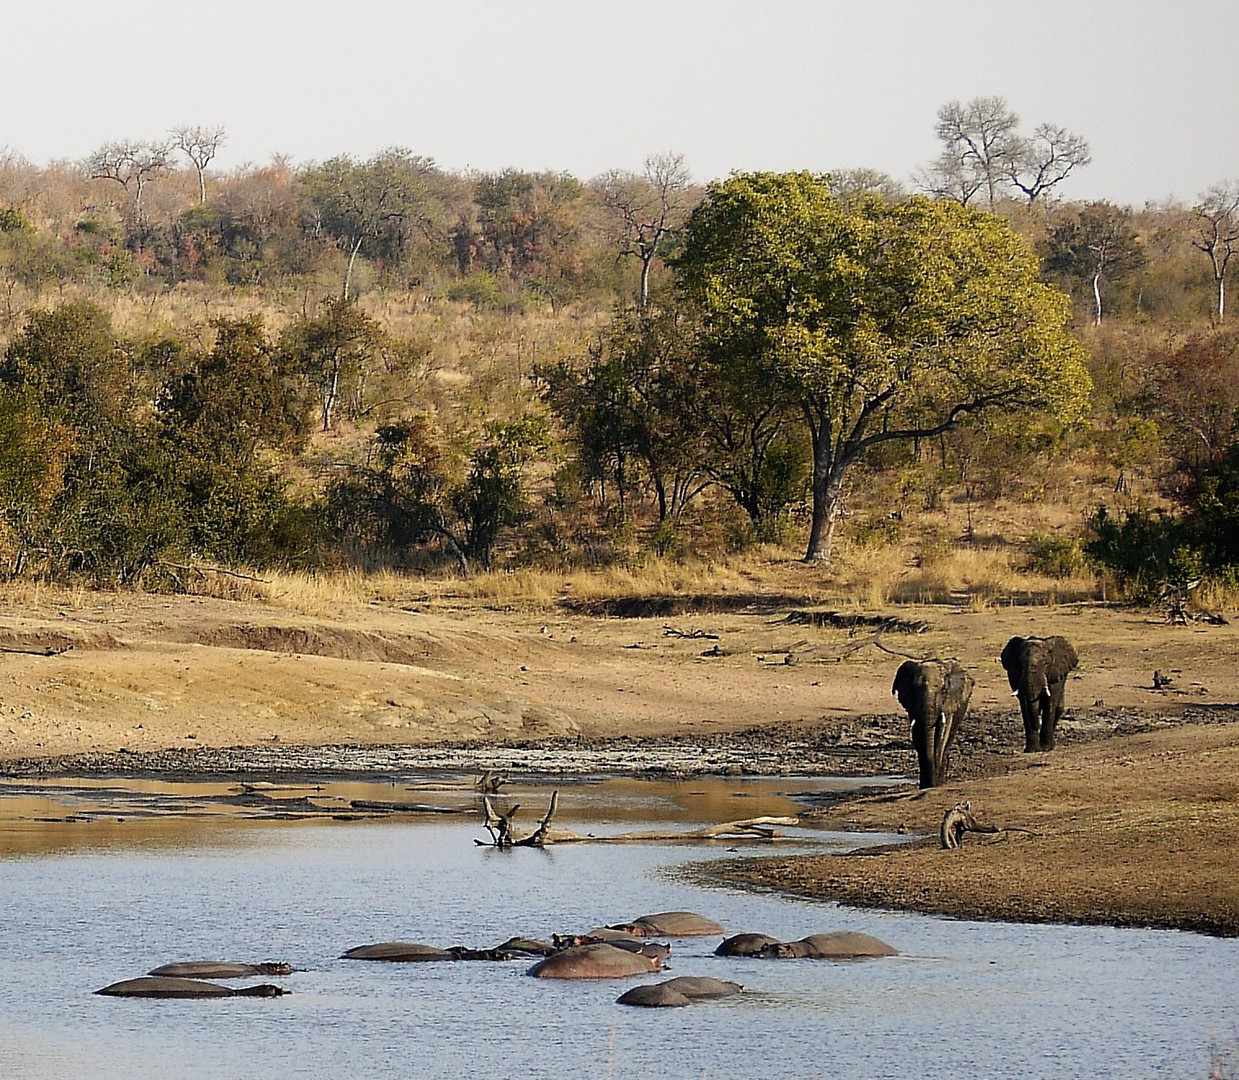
(1055, 556)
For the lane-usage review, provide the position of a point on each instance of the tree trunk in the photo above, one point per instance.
(1097, 295)
(827, 502)
(201, 187)
(646, 263)
(1221, 299)
(348, 274)
(329, 398)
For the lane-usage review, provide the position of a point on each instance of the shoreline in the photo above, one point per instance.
(1126, 824)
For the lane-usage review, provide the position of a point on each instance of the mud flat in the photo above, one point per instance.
(1136, 830)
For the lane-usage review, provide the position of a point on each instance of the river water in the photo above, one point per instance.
(84, 905)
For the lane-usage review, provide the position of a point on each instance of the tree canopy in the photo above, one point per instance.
(877, 322)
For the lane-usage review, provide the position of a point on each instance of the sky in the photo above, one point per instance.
(583, 86)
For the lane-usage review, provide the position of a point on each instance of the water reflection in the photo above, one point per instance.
(963, 999)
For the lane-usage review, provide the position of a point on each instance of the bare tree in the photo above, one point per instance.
(951, 176)
(648, 207)
(131, 164)
(1217, 232)
(977, 137)
(200, 145)
(1036, 165)
(847, 184)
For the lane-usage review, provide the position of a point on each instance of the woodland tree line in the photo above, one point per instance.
(744, 358)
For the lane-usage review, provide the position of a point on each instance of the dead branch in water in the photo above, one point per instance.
(500, 828)
(500, 825)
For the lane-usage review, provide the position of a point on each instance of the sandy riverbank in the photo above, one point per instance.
(1130, 821)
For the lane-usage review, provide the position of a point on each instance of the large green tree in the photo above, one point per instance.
(877, 322)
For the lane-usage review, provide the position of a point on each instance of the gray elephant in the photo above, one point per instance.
(1037, 669)
(935, 695)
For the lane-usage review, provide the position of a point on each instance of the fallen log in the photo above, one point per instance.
(406, 807)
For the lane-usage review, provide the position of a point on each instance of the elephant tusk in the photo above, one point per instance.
(1015, 693)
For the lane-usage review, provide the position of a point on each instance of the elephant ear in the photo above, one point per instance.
(1063, 659)
(905, 680)
(1012, 659)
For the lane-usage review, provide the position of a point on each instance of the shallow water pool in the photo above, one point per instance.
(962, 1000)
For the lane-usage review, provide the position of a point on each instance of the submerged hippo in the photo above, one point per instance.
(220, 969)
(532, 946)
(745, 944)
(839, 945)
(678, 992)
(398, 952)
(163, 986)
(597, 961)
(670, 924)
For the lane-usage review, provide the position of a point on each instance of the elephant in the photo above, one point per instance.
(157, 986)
(210, 969)
(745, 944)
(597, 961)
(670, 924)
(398, 952)
(935, 694)
(839, 945)
(675, 993)
(1037, 669)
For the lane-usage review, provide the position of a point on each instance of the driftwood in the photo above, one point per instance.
(759, 828)
(959, 820)
(500, 825)
(405, 807)
(502, 836)
(490, 781)
(696, 635)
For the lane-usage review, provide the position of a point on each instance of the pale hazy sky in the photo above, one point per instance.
(585, 86)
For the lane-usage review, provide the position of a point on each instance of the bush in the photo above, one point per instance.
(1055, 556)
(479, 288)
(1147, 549)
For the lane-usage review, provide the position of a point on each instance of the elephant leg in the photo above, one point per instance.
(1032, 723)
(1051, 710)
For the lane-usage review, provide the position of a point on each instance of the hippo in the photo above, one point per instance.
(670, 924)
(220, 969)
(678, 992)
(398, 952)
(597, 961)
(527, 945)
(839, 945)
(162, 986)
(745, 944)
(620, 941)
